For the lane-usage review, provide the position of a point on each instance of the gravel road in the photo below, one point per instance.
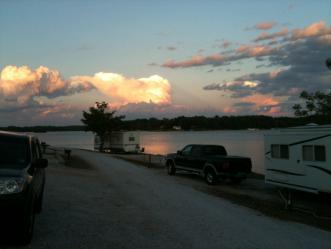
(121, 205)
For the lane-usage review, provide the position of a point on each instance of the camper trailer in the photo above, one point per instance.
(299, 158)
(119, 141)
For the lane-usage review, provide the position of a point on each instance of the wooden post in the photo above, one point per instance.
(67, 152)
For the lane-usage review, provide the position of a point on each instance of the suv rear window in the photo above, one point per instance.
(14, 152)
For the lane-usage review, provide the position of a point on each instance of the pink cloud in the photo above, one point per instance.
(266, 36)
(24, 86)
(22, 83)
(313, 30)
(244, 51)
(196, 60)
(265, 25)
(225, 44)
(255, 50)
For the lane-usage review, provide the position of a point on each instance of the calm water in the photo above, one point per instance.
(243, 143)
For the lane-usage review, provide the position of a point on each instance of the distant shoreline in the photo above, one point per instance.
(196, 123)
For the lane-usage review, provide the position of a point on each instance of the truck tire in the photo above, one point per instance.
(171, 169)
(210, 176)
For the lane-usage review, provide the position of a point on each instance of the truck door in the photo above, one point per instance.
(182, 160)
(196, 160)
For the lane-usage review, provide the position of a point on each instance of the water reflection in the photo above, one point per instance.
(242, 143)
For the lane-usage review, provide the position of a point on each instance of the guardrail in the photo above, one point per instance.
(149, 160)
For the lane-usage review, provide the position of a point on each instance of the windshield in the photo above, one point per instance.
(14, 152)
(214, 150)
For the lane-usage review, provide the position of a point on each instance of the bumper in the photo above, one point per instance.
(240, 175)
(12, 206)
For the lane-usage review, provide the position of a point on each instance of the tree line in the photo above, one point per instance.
(191, 123)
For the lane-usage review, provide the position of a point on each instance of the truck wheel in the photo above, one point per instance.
(210, 177)
(171, 169)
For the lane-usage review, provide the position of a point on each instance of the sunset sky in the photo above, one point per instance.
(159, 58)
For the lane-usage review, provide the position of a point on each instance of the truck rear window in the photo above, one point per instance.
(14, 152)
(214, 150)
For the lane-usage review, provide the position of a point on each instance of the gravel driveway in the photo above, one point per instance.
(120, 205)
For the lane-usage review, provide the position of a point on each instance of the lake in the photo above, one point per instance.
(242, 143)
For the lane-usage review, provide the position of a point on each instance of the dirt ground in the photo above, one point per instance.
(307, 208)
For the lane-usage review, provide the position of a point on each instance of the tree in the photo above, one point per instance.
(317, 103)
(101, 122)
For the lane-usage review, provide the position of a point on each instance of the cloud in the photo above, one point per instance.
(36, 91)
(297, 60)
(313, 30)
(318, 30)
(262, 26)
(265, 25)
(301, 66)
(243, 52)
(21, 84)
(259, 104)
(153, 64)
(171, 48)
(225, 44)
(237, 89)
(266, 36)
(124, 90)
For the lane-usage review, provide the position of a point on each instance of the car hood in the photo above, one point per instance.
(11, 172)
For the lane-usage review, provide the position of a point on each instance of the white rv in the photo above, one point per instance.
(299, 158)
(119, 141)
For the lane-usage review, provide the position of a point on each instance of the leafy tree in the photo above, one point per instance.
(317, 103)
(100, 121)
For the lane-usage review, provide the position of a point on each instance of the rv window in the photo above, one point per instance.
(308, 153)
(284, 153)
(280, 151)
(320, 153)
(131, 139)
(313, 153)
(275, 153)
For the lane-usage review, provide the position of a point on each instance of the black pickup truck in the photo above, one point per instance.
(210, 161)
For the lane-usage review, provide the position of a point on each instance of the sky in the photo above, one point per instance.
(159, 58)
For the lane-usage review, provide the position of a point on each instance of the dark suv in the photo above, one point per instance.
(22, 181)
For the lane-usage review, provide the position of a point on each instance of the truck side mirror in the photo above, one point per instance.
(179, 152)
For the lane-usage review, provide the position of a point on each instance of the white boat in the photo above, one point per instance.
(299, 158)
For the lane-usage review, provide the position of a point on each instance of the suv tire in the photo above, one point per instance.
(39, 202)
